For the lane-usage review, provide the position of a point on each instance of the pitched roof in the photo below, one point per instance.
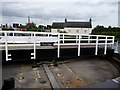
(78, 24)
(58, 25)
(72, 25)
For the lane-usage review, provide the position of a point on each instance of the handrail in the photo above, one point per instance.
(26, 37)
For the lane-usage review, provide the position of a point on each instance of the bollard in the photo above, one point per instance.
(8, 84)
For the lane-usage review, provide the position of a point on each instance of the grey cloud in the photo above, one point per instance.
(57, 11)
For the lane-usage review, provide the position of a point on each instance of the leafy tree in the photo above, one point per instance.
(30, 25)
(63, 32)
(101, 30)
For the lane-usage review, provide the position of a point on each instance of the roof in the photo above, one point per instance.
(58, 25)
(72, 25)
(78, 24)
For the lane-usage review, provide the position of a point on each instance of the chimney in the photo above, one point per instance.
(6, 26)
(90, 20)
(65, 20)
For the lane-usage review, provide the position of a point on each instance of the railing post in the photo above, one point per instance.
(79, 45)
(76, 38)
(31, 36)
(63, 38)
(113, 42)
(96, 50)
(58, 45)
(13, 37)
(34, 54)
(105, 50)
(6, 48)
(34, 46)
(89, 39)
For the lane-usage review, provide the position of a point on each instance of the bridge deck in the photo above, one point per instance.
(70, 73)
(30, 46)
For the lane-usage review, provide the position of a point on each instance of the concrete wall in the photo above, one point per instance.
(74, 30)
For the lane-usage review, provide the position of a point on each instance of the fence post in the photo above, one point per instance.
(79, 45)
(58, 45)
(105, 50)
(96, 50)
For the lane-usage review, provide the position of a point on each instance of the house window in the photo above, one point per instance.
(58, 30)
(85, 31)
(69, 30)
(77, 31)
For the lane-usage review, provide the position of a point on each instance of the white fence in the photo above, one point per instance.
(25, 38)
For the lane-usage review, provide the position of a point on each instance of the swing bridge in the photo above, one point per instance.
(36, 40)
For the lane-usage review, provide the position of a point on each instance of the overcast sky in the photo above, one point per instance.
(102, 12)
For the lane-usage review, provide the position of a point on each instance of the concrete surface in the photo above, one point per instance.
(84, 72)
(26, 77)
(70, 73)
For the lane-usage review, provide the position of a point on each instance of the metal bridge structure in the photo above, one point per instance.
(41, 39)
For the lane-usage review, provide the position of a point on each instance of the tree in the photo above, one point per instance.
(101, 30)
(109, 27)
(63, 32)
(30, 25)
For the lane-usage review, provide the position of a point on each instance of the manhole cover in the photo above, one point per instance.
(42, 82)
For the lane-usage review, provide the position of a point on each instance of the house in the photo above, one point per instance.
(72, 27)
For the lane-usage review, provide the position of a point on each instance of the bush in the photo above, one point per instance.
(63, 32)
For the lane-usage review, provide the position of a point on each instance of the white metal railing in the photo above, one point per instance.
(26, 38)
